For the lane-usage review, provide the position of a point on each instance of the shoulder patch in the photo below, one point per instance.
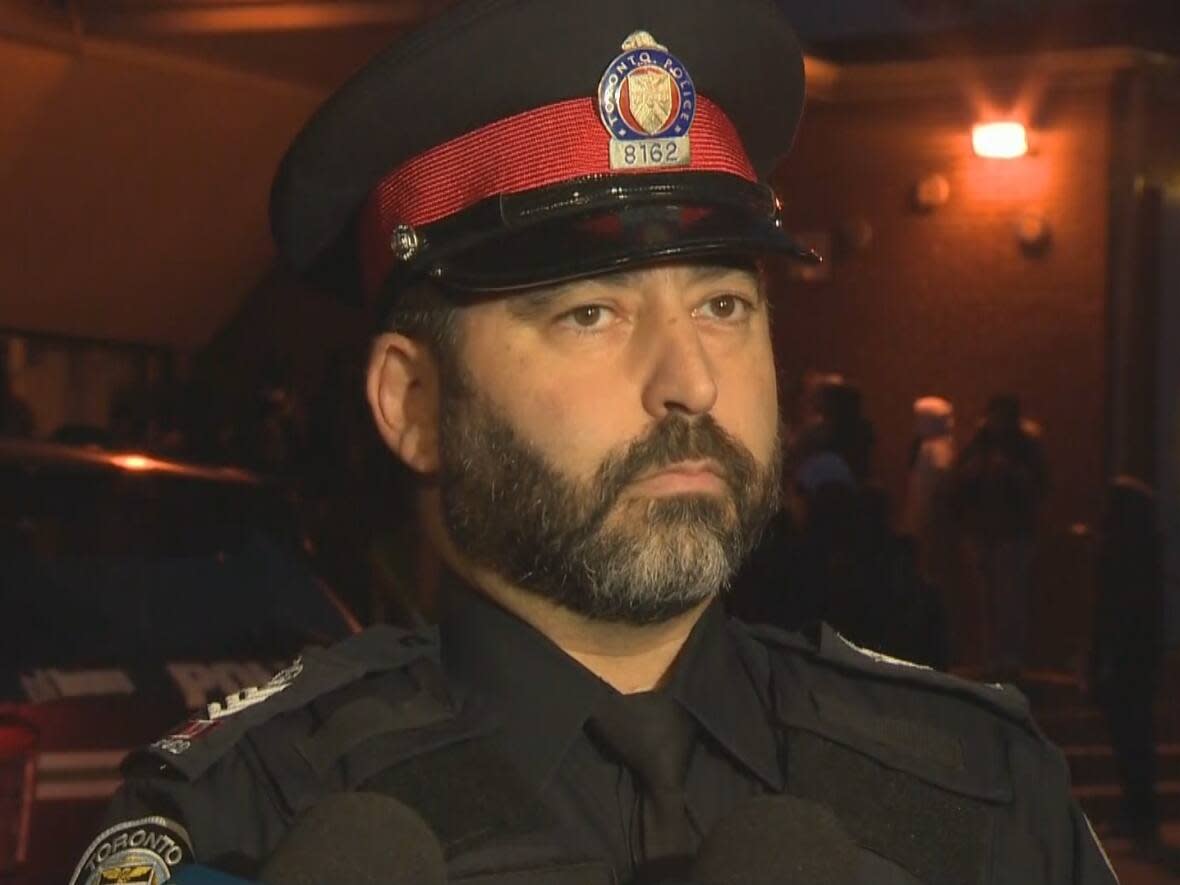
(181, 740)
(198, 743)
(143, 851)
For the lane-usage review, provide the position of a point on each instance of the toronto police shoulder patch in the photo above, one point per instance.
(143, 851)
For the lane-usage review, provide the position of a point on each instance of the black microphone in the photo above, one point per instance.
(359, 839)
(195, 874)
(777, 840)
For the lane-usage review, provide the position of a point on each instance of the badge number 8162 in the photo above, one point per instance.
(649, 154)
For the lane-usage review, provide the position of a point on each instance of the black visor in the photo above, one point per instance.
(593, 226)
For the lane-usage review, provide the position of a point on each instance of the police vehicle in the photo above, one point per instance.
(134, 592)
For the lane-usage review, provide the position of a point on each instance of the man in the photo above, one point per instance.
(558, 208)
(999, 483)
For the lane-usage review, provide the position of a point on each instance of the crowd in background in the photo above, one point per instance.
(950, 581)
(906, 578)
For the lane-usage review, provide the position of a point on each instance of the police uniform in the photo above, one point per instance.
(480, 727)
(514, 143)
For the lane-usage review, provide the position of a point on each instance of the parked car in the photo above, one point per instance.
(133, 591)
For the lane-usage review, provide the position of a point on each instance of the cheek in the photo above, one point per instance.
(567, 411)
(747, 404)
(575, 422)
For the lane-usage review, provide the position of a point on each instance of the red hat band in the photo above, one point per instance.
(553, 144)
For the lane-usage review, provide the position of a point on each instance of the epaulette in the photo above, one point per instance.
(830, 649)
(199, 742)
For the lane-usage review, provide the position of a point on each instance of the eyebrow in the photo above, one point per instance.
(531, 302)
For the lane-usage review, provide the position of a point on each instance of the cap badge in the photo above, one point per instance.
(647, 101)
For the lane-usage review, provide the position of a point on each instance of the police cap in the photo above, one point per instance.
(516, 143)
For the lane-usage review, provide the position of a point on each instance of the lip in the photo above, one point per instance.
(684, 476)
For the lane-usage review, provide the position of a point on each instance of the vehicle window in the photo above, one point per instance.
(118, 569)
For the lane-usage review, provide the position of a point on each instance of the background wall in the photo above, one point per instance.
(945, 301)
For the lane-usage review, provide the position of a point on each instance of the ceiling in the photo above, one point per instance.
(136, 157)
(138, 139)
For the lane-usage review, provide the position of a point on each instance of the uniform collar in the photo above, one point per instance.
(545, 696)
(542, 694)
(711, 682)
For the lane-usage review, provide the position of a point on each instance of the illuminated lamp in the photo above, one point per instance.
(133, 462)
(1000, 141)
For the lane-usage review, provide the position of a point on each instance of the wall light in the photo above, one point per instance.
(133, 462)
(1001, 141)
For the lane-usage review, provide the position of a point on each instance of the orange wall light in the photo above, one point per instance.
(133, 462)
(1000, 141)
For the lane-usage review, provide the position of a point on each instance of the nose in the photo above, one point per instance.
(681, 377)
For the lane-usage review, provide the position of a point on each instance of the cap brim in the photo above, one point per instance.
(566, 250)
(486, 60)
(581, 229)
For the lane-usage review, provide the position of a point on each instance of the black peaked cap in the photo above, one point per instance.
(485, 60)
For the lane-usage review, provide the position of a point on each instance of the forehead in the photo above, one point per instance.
(639, 279)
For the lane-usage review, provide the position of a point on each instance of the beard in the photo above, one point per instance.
(584, 545)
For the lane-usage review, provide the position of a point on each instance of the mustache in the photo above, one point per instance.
(673, 440)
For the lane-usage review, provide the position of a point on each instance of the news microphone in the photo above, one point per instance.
(777, 840)
(359, 839)
(195, 874)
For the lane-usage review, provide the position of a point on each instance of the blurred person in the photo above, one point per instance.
(82, 435)
(16, 418)
(573, 361)
(276, 422)
(928, 517)
(806, 411)
(864, 574)
(830, 556)
(1128, 647)
(836, 423)
(1000, 481)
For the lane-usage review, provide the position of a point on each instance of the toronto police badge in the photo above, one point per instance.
(136, 852)
(647, 102)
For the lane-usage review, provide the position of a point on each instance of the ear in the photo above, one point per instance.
(402, 387)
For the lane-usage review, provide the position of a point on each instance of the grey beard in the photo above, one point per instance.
(583, 546)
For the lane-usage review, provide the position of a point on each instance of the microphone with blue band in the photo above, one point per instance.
(353, 838)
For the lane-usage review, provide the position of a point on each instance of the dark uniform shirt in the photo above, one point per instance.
(545, 699)
(482, 730)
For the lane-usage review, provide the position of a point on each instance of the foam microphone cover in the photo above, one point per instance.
(358, 839)
(191, 874)
(777, 839)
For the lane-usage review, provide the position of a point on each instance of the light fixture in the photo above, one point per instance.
(1000, 141)
(931, 191)
(133, 462)
(1033, 233)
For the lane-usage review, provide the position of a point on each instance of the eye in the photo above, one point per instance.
(725, 307)
(588, 317)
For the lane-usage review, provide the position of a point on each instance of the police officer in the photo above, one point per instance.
(560, 212)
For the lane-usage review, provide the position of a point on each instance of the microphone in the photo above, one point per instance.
(195, 874)
(361, 839)
(777, 840)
